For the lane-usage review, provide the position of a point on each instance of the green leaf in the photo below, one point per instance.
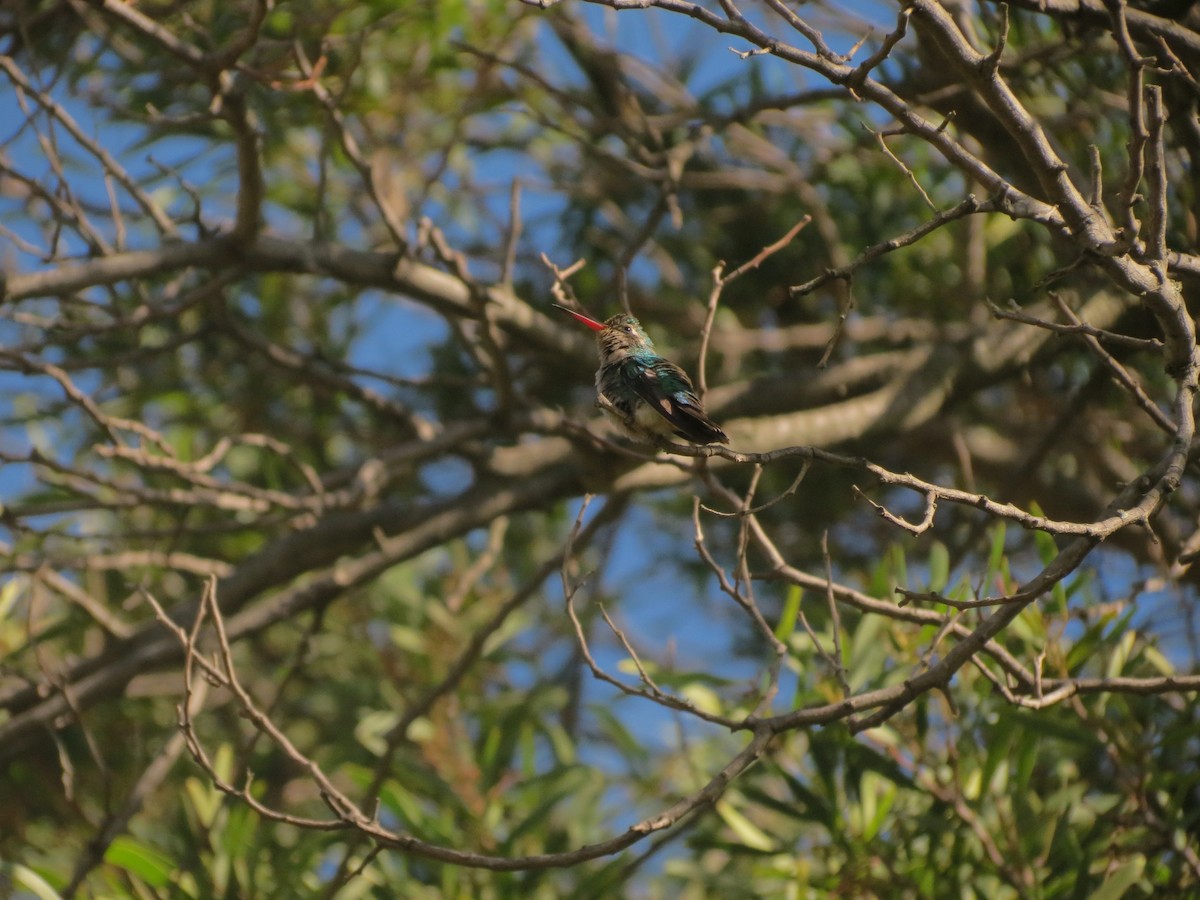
(748, 833)
(998, 757)
(237, 838)
(410, 639)
(1047, 549)
(996, 553)
(939, 566)
(1120, 880)
(150, 865)
(1027, 722)
(899, 568)
(223, 762)
(616, 732)
(1081, 651)
(549, 791)
(1030, 625)
(876, 794)
(866, 758)
(205, 800)
(868, 651)
(1120, 654)
(9, 594)
(560, 741)
(812, 806)
(703, 698)
(790, 613)
(513, 626)
(372, 730)
(400, 802)
(1155, 657)
(23, 877)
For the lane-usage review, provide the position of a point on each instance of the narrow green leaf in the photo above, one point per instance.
(9, 594)
(23, 877)
(616, 732)
(1155, 658)
(223, 762)
(899, 567)
(1058, 597)
(372, 729)
(205, 800)
(148, 864)
(868, 651)
(883, 793)
(703, 698)
(1120, 654)
(996, 554)
(410, 639)
(1046, 547)
(810, 805)
(400, 802)
(998, 757)
(1081, 651)
(550, 791)
(790, 613)
(939, 566)
(560, 741)
(1121, 880)
(748, 833)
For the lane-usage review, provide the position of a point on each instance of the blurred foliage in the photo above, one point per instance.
(653, 154)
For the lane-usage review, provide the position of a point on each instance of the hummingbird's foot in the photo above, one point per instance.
(625, 422)
(608, 407)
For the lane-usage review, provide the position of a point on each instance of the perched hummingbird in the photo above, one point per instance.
(647, 395)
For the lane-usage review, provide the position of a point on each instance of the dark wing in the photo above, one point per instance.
(668, 390)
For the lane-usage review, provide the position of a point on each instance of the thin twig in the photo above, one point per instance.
(920, 528)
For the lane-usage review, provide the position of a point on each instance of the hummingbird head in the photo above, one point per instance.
(617, 337)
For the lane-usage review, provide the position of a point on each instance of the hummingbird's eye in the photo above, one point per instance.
(628, 329)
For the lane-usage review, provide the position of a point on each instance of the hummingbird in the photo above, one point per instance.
(648, 396)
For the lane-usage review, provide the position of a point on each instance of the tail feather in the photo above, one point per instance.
(693, 424)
